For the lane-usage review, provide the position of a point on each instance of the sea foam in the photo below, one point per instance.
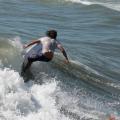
(81, 1)
(26, 101)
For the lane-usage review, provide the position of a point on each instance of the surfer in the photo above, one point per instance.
(45, 52)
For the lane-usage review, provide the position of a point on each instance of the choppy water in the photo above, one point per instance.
(88, 88)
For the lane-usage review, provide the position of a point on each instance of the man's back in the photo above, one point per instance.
(48, 44)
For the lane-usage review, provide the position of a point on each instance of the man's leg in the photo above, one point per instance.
(29, 59)
(26, 66)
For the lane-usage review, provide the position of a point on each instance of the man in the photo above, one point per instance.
(45, 52)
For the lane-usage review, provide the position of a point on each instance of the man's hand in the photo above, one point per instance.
(66, 61)
(24, 46)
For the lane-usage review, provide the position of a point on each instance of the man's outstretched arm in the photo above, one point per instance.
(32, 43)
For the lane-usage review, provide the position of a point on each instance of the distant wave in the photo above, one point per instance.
(82, 2)
(111, 5)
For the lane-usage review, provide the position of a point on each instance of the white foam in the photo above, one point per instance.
(84, 2)
(20, 101)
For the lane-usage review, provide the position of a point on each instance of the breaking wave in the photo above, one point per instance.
(111, 5)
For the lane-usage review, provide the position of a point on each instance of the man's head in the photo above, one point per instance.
(52, 34)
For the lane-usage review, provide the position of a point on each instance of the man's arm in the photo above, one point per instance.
(32, 43)
(63, 52)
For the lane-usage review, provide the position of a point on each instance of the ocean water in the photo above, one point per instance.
(86, 89)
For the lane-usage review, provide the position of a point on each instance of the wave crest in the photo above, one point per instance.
(111, 5)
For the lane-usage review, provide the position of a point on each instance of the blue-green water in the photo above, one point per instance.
(86, 89)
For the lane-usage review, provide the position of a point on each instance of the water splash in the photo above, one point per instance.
(26, 101)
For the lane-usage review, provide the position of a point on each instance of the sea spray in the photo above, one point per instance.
(16, 42)
(26, 101)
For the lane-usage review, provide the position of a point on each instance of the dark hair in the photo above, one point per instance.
(52, 34)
